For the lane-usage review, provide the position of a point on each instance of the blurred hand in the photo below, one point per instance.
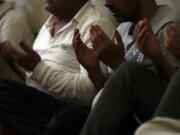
(10, 60)
(172, 39)
(107, 51)
(146, 40)
(19, 61)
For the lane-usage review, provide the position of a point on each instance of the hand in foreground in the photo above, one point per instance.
(107, 51)
(10, 60)
(19, 61)
(172, 39)
(146, 40)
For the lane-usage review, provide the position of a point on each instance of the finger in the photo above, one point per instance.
(170, 28)
(118, 38)
(93, 32)
(78, 46)
(80, 43)
(26, 48)
(100, 36)
(4, 53)
(101, 33)
(8, 50)
(98, 30)
(76, 32)
(171, 47)
(143, 42)
(74, 42)
(172, 37)
(75, 46)
(140, 26)
(93, 36)
(140, 36)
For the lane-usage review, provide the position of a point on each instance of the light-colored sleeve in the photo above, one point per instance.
(74, 87)
(16, 29)
(160, 126)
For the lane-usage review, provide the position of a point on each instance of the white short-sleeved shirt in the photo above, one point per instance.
(59, 73)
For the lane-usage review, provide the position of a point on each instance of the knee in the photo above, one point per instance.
(126, 71)
(131, 68)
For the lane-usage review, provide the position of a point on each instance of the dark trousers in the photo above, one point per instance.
(132, 90)
(27, 110)
(68, 121)
(169, 106)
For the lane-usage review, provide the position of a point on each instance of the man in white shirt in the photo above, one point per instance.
(14, 28)
(51, 68)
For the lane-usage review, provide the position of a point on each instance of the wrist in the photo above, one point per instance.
(116, 64)
(98, 78)
(158, 59)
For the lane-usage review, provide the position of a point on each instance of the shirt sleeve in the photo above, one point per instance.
(73, 87)
(160, 126)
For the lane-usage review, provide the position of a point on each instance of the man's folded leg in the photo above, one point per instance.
(132, 90)
(26, 109)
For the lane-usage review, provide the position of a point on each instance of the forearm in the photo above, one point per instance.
(164, 67)
(98, 79)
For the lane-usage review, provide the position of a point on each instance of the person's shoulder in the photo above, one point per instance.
(92, 13)
(163, 16)
(169, 13)
(14, 16)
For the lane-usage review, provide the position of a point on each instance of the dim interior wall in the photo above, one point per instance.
(36, 15)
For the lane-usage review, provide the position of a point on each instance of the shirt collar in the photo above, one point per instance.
(163, 16)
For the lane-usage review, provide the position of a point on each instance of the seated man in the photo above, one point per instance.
(133, 89)
(167, 117)
(14, 28)
(54, 78)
